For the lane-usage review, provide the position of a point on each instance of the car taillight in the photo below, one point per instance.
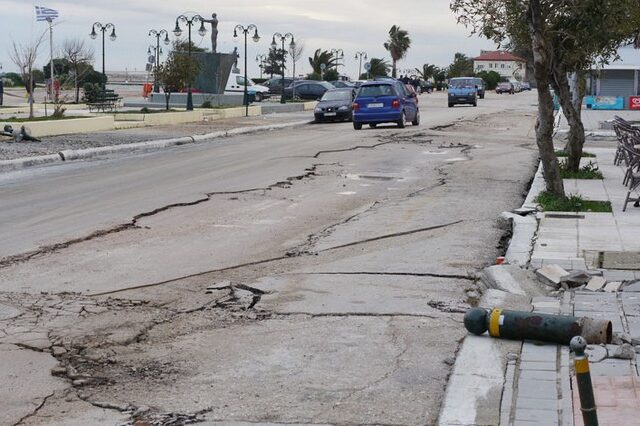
(395, 103)
(356, 106)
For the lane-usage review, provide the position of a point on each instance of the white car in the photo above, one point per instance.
(235, 86)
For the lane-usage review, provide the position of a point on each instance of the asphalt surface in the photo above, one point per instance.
(339, 265)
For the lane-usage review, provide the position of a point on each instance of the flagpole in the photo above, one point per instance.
(52, 92)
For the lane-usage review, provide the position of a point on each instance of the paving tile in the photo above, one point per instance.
(537, 389)
(611, 368)
(539, 353)
(538, 375)
(549, 417)
(542, 366)
(536, 404)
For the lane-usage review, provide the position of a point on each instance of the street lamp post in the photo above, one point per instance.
(282, 38)
(178, 32)
(338, 54)
(255, 38)
(261, 60)
(112, 37)
(360, 55)
(157, 35)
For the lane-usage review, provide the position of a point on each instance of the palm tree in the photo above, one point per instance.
(427, 72)
(397, 45)
(379, 68)
(323, 57)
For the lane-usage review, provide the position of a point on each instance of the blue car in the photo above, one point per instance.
(463, 90)
(385, 101)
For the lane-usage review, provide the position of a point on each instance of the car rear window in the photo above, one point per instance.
(375, 90)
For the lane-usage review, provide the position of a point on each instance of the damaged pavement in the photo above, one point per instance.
(334, 296)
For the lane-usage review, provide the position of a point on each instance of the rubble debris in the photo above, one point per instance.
(621, 338)
(613, 286)
(575, 279)
(625, 351)
(552, 275)
(596, 284)
(596, 353)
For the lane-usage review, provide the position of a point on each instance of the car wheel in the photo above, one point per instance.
(475, 103)
(450, 105)
(372, 125)
(357, 126)
(481, 96)
(416, 121)
(259, 97)
(402, 121)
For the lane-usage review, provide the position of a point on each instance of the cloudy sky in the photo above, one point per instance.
(355, 25)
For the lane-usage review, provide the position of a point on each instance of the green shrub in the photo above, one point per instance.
(206, 104)
(589, 171)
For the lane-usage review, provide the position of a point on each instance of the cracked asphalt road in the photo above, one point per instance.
(315, 275)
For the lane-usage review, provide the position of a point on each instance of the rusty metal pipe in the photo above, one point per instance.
(517, 325)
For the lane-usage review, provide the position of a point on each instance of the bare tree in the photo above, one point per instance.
(296, 52)
(24, 56)
(80, 57)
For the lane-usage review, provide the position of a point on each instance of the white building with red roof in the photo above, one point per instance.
(504, 63)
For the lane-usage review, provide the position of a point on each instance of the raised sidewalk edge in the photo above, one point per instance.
(84, 154)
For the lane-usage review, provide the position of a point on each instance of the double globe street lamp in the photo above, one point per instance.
(112, 37)
(338, 54)
(361, 55)
(158, 51)
(274, 45)
(255, 38)
(261, 59)
(202, 31)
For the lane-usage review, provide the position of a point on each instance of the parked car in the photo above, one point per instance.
(517, 87)
(340, 84)
(384, 101)
(463, 90)
(235, 86)
(526, 86)
(275, 84)
(308, 89)
(335, 104)
(480, 86)
(504, 87)
(426, 86)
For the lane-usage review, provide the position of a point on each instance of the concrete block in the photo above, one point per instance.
(552, 275)
(633, 287)
(68, 126)
(613, 287)
(512, 279)
(596, 283)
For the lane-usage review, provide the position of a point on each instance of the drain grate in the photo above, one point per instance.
(564, 216)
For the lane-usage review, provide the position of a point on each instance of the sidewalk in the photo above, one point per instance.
(542, 391)
(538, 381)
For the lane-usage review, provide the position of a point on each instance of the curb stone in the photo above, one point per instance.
(89, 153)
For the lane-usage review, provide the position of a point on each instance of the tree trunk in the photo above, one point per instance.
(167, 95)
(575, 141)
(76, 82)
(544, 124)
(393, 70)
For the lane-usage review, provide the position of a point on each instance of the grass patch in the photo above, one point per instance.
(589, 171)
(563, 153)
(30, 120)
(145, 110)
(572, 203)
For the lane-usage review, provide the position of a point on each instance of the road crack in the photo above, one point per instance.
(35, 411)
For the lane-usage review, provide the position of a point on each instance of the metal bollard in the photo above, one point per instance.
(536, 326)
(583, 377)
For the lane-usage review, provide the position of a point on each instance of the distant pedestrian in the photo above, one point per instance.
(1, 91)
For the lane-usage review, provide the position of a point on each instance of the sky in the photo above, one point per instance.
(356, 25)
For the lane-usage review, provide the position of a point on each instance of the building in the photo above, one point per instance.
(620, 78)
(506, 64)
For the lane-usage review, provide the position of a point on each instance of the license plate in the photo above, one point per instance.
(376, 105)
(462, 99)
(330, 114)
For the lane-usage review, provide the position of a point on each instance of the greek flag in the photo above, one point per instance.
(45, 14)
